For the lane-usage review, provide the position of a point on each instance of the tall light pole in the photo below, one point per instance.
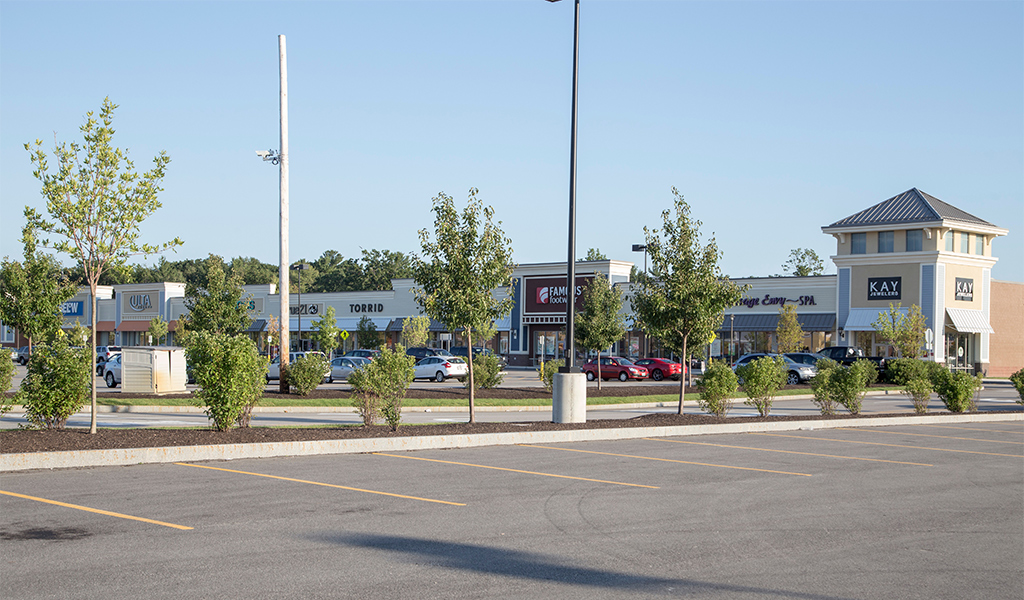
(570, 288)
(299, 268)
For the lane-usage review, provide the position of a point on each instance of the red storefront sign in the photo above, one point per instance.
(547, 295)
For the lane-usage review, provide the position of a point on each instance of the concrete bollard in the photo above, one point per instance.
(569, 398)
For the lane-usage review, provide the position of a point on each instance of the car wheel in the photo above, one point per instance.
(22, 361)
(591, 376)
(439, 377)
(793, 378)
(623, 376)
(657, 375)
(110, 380)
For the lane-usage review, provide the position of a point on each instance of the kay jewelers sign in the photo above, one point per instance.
(885, 288)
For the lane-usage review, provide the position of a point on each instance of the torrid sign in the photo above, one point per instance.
(885, 288)
(548, 294)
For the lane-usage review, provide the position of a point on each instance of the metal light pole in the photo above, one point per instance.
(647, 343)
(732, 344)
(299, 268)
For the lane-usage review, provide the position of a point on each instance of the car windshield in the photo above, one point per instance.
(455, 360)
(625, 362)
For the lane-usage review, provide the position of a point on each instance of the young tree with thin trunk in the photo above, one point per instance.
(97, 201)
(415, 331)
(599, 324)
(325, 332)
(905, 332)
(461, 268)
(157, 330)
(219, 307)
(789, 332)
(682, 300)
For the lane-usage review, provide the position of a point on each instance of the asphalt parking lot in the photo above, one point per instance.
(912, 511)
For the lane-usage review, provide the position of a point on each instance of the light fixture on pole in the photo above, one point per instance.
(299, 268)
(643, 248)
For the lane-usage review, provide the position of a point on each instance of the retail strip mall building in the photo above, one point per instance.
(909, 249)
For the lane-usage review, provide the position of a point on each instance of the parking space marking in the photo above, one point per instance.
(945, 437)
(811, 437)
(672, 460)
(972, 429)
(898, 462)
(95, 510)
(448, 462)
(342, 487)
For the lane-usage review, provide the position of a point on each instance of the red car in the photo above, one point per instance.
(660, 368)
(614, 366)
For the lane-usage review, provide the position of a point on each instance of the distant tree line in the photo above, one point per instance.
(332, 272)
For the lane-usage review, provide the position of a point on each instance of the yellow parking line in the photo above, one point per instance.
(94, 510)
(448, 462)
(898, 462)
(342, 487)
(971, 428)
(685, 462)
(808, 437)
(945, 437)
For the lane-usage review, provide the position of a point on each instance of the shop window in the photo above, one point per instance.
(979, 245)
(915, 240)
(885, 241)
(949, 241)
(859, 243)
(965, 242)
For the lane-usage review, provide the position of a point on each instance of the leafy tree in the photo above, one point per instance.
(379, 387)
(593, 254)
(717, 386)
(762, 380)
(32, 291)
(461, 268)
(231, 376)
(252, 271)
(682, 300)
(6, 377)
(381, 266)
(346, 276)
(157, 330)
(789, 332)
(803, 262)
(600, 323)
(1017, 379)
(415, 331)
(325, 331)
(219, 307)
(905, 332)
(57, 384)
(273, 330)
(367, 335)
(308, 372)
(97, 202)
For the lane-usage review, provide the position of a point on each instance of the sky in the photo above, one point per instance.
(773, 119)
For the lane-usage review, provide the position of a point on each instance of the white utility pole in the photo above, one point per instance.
(283, 288)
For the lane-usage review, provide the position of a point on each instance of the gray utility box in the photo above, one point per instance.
(153, 370)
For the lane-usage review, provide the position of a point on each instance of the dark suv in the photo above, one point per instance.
(464, 352)
(421, 352)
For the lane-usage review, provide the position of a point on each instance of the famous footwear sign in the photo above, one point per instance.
(549, 294)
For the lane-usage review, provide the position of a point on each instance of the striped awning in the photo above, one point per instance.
(966, 320)
(862, 319)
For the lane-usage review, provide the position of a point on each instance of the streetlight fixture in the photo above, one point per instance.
(570, 309)
(299, 268)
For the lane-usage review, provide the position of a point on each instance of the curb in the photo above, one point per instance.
(132, 456)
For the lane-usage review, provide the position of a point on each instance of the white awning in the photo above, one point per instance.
(345, 323)
(967, 320)
(861, 319)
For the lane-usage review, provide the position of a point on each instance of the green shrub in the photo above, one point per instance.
(849, 384)
(717, 386)
(902, 370)
(6, 377)
(306, 373)
(1018, 382)
(919, 390)
(58, 383)
(486, 372)
(547, 372)
(823, 385)
(380, 386)
(230, 374)
(956, 390)
(762, 380)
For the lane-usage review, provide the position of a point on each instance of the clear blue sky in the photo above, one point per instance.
(772, 118)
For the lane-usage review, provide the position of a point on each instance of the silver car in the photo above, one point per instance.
(343, 366)
(795, 372)
(112, 371)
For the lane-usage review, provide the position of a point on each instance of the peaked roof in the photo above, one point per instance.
(912, 206)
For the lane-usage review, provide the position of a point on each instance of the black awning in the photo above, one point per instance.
(808, 322)
(256, 326)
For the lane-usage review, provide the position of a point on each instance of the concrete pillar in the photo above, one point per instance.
(569, 398)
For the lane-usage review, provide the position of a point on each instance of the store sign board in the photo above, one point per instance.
(770, 300)
(252, 305)
(306, 309)
(965, 289)
(73, 308)
(548, 294)
(885, 288)
(139, 302)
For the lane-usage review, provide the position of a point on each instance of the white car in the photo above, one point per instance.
(112, 371)
(343, 366)
(274, 368)
(440, 368)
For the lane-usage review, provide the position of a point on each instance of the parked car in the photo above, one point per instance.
(847, 355)
(660, 368)
(342, 367)
(112, 371)
(361, 353)
(440, 368)
(805, 358)
(421, 352)
(614, 366)
(795, 372)
(104, 353)
(14, 354)
(23, 355)
(463, 351)
(274, 368)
